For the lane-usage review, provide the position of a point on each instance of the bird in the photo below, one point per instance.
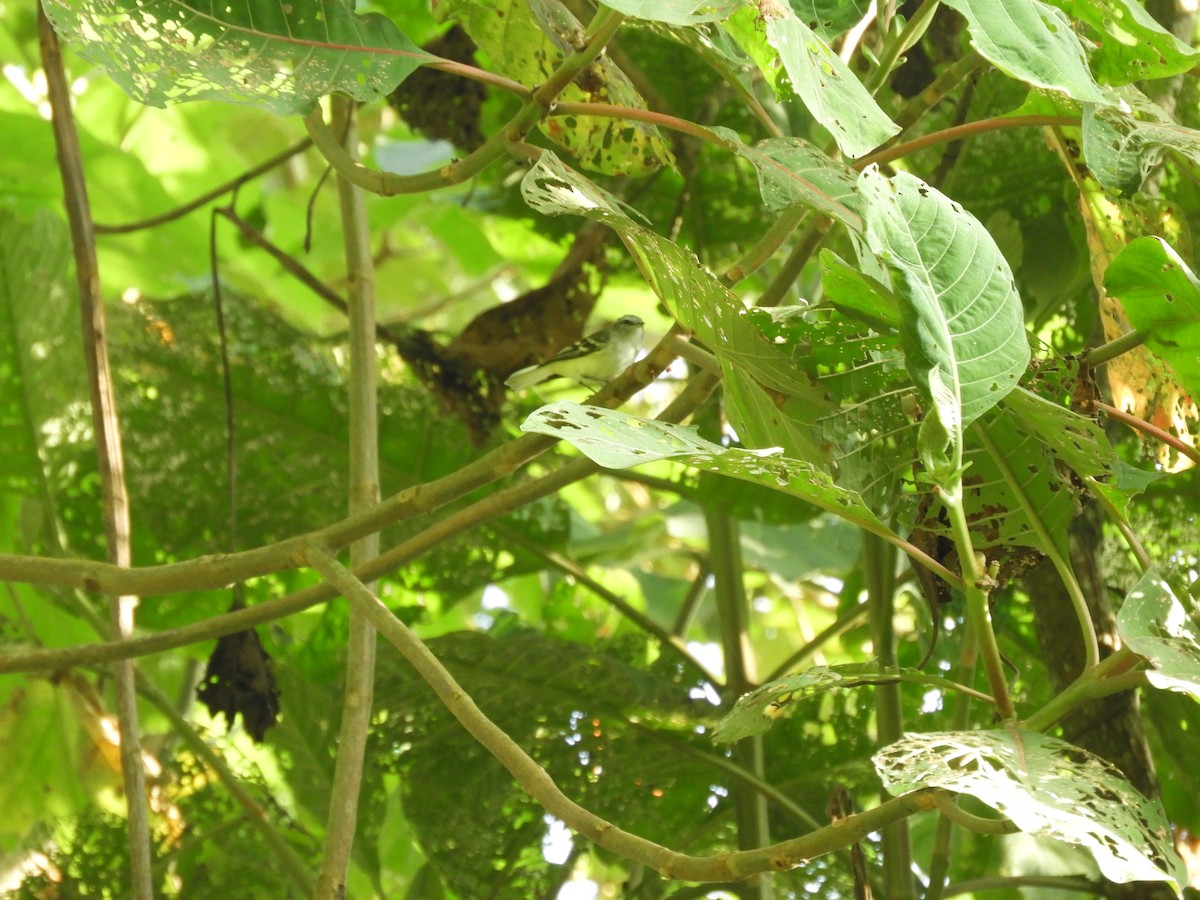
(600, 357)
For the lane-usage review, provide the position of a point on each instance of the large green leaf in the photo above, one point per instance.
(280, 56)
(962, 324)
(1130, 45)
(1032, 41)
(1154, 623)
(41, 369)
(1161, 296)
(615, 438)
(1048, 788)
(830, 90)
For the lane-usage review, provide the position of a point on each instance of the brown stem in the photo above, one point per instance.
(106, 428)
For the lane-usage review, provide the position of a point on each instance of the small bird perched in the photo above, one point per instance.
(597, 357)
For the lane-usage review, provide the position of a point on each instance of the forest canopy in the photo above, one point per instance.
(872, 575)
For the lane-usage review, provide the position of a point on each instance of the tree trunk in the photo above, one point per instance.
(1112, 726)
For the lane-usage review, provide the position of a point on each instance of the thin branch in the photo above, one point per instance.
(1150, 429)
(364, 493)
(959, 132)
(847, 620)
(541, 787)
(636, 616)
(208, 196)
(106, 428)
(959, 816)
(879, 568)
(979, 615)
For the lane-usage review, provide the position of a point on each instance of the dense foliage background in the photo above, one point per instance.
(918, 280)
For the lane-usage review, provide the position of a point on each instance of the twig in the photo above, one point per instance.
(106, 427)
(1152, 430)
(208, 196)
(364, 493)
(639, 618)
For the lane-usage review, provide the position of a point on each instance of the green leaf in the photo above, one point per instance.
(41, 368)
(614, 439)
(831, 92)
(857, 296)
(1031, 41)
(618, 439)
(1048, 788)
(278, 56)
(676, 12)
(527, 42)
(1161, 296)
(1155, 624)
(792, 172)
(963, 325)
(830, 18)
(757, 711)
(1130, 45)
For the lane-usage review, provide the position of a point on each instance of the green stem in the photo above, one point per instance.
(879, 566)
(1098, 681)
(979, 616)
(1105, 352)
(733, 612)
(1087, 631)
(913, 30)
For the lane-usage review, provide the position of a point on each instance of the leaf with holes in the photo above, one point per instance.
(757, 711)
(1129, 45)
(1048, 788)
(831, 92)
(615, 439)
(281, 57)
(1161, 296)
(792, 172)
(618, 440)
(962, 321)
(1154, 623)
(527, 41)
